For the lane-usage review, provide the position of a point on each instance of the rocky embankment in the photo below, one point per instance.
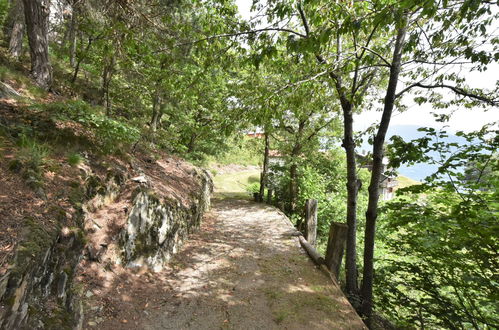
(133, 214)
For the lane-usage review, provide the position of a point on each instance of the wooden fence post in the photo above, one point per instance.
(311, 221)
(269, 196)
(335, 247)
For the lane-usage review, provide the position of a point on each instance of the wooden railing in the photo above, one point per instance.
(336, 238)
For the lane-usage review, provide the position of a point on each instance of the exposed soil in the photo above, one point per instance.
(61, 181)
(18, 200)
(244, 269)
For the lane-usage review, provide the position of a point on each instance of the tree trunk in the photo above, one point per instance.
(311, 221)
(265, 170)
(376, 172)
(192, 143)
(82, 57)
(36, 13)
(293, 187)
(293, 171)
(156, 112)
(72, 34)
(14, 28)
(107, 75)
(353, 185)
(10, 19)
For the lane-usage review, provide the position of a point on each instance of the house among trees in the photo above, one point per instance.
(388, 183)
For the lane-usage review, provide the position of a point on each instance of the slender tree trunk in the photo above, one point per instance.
(72, 34)
(36, 13)
(192, 143)
(353, 185)
(82, 57)
(293, 171)
(265, 170)
(14, 28)
(107, 75)
(156, 111)
(377, 168)
(7, 26)
(293, 186)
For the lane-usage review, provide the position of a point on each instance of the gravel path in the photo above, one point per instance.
(244, 269)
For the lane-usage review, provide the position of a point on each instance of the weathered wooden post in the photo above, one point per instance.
(335, 247)
(311, 221)
(269, 196)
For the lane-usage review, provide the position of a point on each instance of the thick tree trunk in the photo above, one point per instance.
(36, 13)
(14, 28)
(265, 170)
(377, 168)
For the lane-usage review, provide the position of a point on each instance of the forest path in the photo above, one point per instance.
(244, 269)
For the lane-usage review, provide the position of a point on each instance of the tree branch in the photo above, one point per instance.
(302, 81)
(457, 90)
(235, 34)
(377, 54)
(304, 19)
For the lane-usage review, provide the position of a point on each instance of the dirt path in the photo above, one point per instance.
(243, 270)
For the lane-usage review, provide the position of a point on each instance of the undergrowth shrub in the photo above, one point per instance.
(31, 160)
(253, 187)
(323, 178)
(111, 135)
(74, 159)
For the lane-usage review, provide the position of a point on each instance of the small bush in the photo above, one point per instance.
(74, 159)
(30, 160)
(253, 187)
(111, 135)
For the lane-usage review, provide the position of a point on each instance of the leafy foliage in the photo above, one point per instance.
(110, 134)
(439, 266)
(189, 77)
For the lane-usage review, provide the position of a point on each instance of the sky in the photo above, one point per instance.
(462, 120)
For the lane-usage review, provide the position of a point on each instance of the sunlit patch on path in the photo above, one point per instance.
(242, 270)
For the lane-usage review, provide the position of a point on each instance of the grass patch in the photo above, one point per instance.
(30, 160)
(234, 185)
(74, 159)
(272, 293)
(19, 80)
(280, 316)
(404, 181)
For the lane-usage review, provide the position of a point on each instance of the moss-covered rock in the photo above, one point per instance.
(44, 265)
(156, 227)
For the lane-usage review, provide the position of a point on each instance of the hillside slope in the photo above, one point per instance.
(76, 195)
